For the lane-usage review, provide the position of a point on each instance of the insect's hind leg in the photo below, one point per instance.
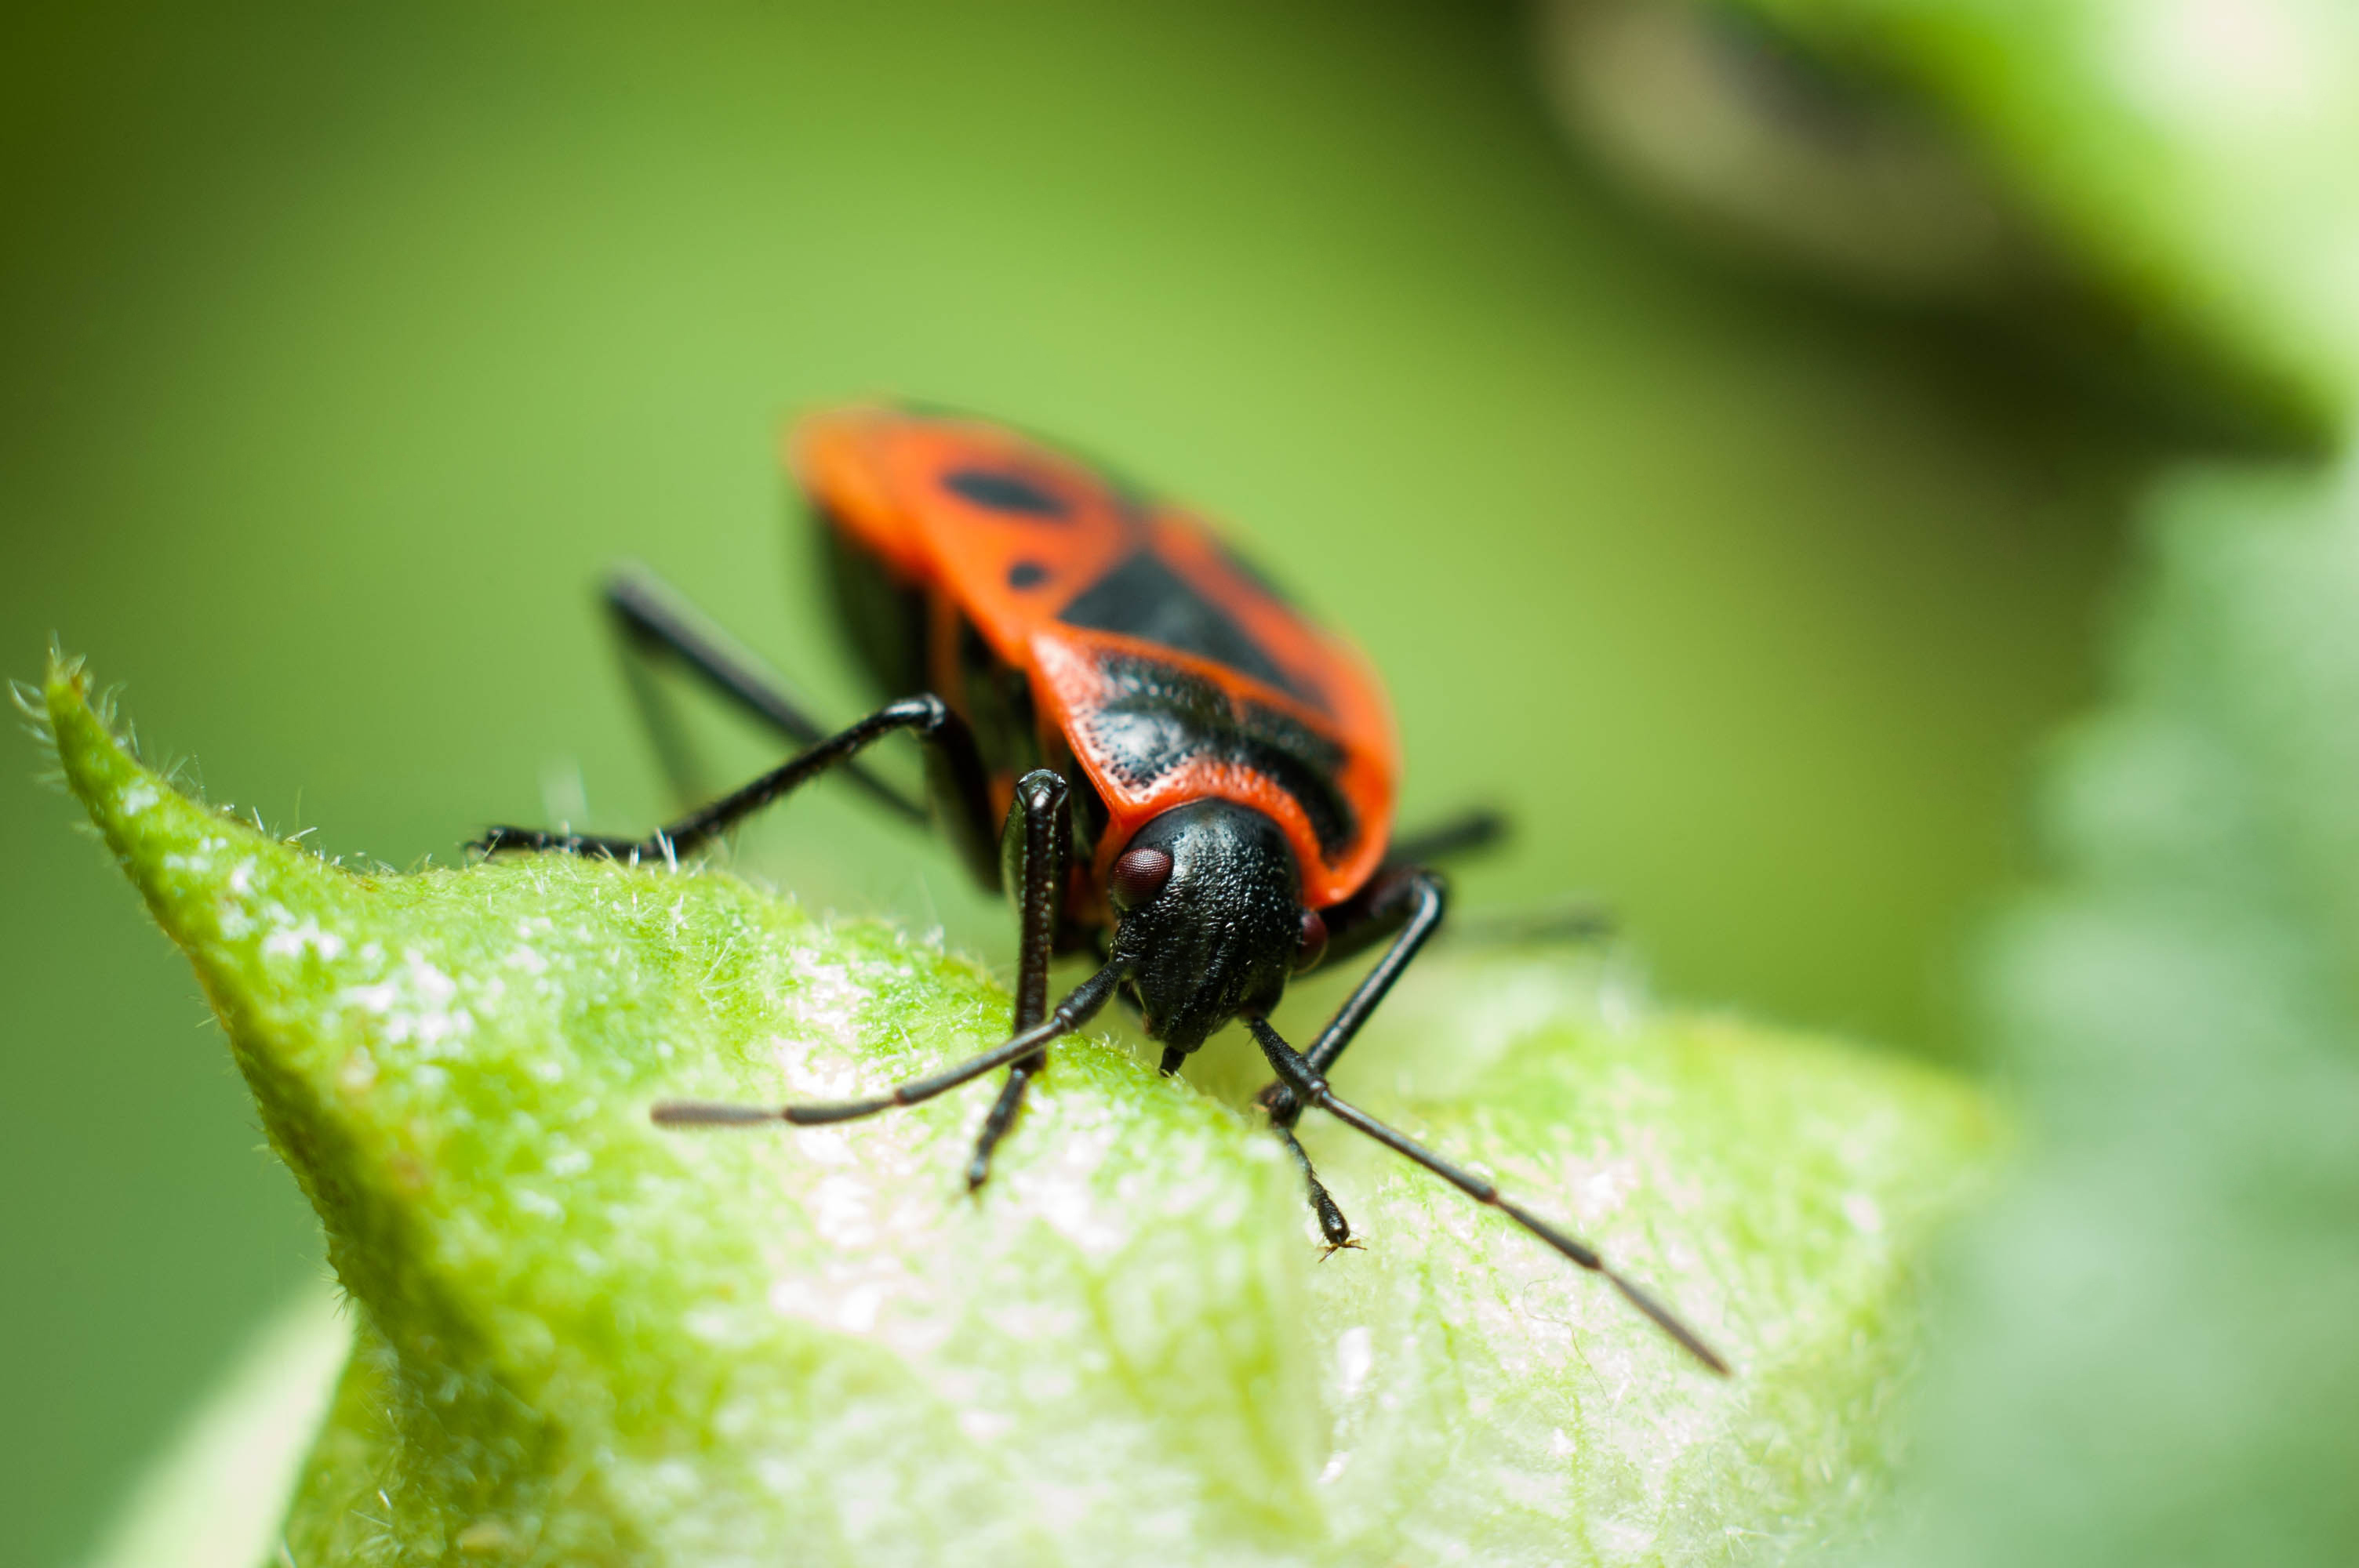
(1468, 833)
(957, 767)
(1578, 921)
(654, 621)
(1032, 848)
(1572, 919)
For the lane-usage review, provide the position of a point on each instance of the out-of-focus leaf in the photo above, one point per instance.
(2197, 161)
(2150, 1356)
(584, 1339)
(215, 1497)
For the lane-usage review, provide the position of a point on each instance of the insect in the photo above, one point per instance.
(1166, 764)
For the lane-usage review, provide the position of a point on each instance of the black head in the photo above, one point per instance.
(1209, 919)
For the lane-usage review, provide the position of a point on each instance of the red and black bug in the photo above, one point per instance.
(1168, 765)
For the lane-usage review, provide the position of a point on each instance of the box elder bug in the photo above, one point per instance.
(1168, 765)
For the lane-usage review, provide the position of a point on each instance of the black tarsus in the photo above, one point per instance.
(1309, 1087)
(1081, 1004)
(1331, 1223)
(653, 619)
(1032, 848)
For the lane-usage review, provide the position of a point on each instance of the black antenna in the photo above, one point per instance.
(1080, 1005)
(1298, 1074)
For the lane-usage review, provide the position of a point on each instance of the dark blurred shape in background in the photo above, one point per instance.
(2154, 195)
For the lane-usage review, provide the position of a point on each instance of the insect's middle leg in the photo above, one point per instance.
(657, 623)
(1032, 848)
(1560, 920)
(959, 789)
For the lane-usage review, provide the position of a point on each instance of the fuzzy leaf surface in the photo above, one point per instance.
(584, 1339)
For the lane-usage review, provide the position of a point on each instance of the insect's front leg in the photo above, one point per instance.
(1405, 905)
(1033, 846)
(1323, 1208)
(1308, 1085)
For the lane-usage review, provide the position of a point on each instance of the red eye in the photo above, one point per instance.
(1138, 876)
(1313, 945)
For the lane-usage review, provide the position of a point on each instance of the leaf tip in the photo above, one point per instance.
(179, 853)
(75, 724)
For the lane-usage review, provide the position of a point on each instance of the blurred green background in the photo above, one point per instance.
(343, 351)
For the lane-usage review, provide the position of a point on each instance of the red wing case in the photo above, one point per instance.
(1173, 671)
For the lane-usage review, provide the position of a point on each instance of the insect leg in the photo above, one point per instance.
(1331, 1223)
(1468, 833)
(1296, 1072)
(1406, 905)
(1033, 848)
(952, 758)
(654, 620)
(1081, 1004)
(1574, 919)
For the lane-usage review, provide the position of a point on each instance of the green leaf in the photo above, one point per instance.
(2196, 161)
(2152, 1356)
(216, 1496)
(584, 1339)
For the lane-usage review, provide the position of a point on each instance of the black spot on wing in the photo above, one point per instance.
(1143, 597)
(1026, 574)
(1156, 719)
(1000, 491)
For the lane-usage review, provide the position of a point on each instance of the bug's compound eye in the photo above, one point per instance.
(1312, 945)
(1137, 876)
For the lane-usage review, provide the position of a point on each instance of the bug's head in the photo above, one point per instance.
(1209, 920)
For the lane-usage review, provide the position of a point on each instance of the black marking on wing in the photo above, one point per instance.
(1143, 597)
(1000, 491)
(1157, 718)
